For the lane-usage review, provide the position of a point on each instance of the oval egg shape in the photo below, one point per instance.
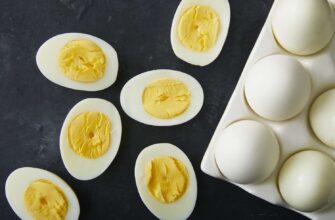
(201, 58)
(19, 180)
(47, 61)
(264, 87)
(303, 27)
(182, 207)
(247, 152)
(132, 95)
(80, 167)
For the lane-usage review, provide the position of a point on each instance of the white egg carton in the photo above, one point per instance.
(293, 135)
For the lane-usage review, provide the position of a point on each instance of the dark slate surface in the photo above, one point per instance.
(32, 109)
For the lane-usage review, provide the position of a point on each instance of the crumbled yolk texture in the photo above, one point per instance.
(166, 178)
(82, 60)
(45, 201)
(166, 98)
(89, 134)
(198, 28)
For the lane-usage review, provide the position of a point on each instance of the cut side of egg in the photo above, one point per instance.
(199, 30)
(90, 138)
(162, 97)
(167, 166)
(28, 192)
(78, 61)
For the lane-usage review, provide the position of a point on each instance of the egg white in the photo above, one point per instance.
(18, 181)
(83, 168)
(303, 27)
(131, 97)
(47, 62)
(222, 8)
(181, 208)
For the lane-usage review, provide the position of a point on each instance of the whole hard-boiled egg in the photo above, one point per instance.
(166, 181)
(199, 30)
(321, 117)
(303, 27)
(90, 138)
(277, 87)
(78, 61)
(247, 152)
(39, 194)
(306, 181)
(162, 97)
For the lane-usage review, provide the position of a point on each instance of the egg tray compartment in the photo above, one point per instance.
(293, 135)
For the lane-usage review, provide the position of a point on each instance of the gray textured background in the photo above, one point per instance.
(32, 109)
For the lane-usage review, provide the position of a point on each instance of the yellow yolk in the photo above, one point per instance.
(82, 60)
(198, 28)
(45, 201)
(166, 98)
(89, 134)
(166, 178)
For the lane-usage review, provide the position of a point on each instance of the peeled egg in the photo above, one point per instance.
(162, 97)
(166, 181)
(303, 27)
(78, 61)
(90, 138)
(306, 181)
(199, 30)
(33, 193)
(277, 87)
(247, 152)
(322, 116)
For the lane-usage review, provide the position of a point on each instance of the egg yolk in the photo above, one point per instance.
(198, 28)
(166, 98)
(82, 60)
(166, 178)
(44, 200)
(89, 134)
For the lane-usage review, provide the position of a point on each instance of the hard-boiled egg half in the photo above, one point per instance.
(90, 138)
(199, 30)
(39, 194)
(162, 97)
(78, 61)
(166, 181)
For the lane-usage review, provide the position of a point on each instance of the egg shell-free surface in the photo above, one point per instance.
(294, 134)
(181, 208)
(18, 181)
(80, 167)
(47, 62)
(131, 97)
(250, 159)
(222, 9)
(277, 87)
(300, 177)
(304, 35)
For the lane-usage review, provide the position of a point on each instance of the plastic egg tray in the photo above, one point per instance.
(294, 134)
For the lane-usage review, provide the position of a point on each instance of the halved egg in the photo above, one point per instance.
(162, 97)
(199, 30)
(78, 61)
(90, 138)
(166, 181)
(39, 194)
